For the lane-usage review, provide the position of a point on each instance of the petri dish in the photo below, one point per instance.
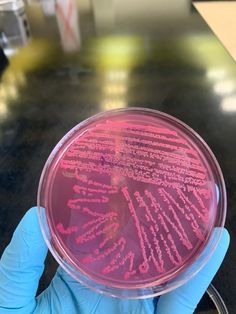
(132, 202)
(211, 303)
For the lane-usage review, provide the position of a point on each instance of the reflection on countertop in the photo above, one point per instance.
(106, 55)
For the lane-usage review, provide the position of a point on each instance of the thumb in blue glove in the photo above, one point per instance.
(22, 265)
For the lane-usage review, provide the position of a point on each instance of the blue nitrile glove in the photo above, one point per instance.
(22, 265)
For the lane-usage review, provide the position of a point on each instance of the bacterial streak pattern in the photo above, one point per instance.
(163, 182)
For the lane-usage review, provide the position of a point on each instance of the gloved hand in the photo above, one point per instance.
(22, 265)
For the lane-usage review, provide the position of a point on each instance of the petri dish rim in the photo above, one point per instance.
(68, 139)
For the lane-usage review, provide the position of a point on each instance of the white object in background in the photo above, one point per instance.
(11, 5)
(14, 23)
(48, 7)
(133, 14)
(67, 18)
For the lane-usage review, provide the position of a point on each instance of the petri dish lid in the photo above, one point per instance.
(211, 303)
(129, 202)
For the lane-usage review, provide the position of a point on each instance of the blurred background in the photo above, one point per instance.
(65, 60)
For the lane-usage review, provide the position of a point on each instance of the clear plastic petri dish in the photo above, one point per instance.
(211, 303)
(132, 202)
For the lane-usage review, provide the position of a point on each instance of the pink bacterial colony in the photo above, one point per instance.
(133, 200)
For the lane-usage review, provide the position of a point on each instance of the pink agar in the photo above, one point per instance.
(133, 200)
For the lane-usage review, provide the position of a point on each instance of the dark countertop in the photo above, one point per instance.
(119, 55)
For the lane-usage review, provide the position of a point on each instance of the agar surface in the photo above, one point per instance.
(162, 186)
